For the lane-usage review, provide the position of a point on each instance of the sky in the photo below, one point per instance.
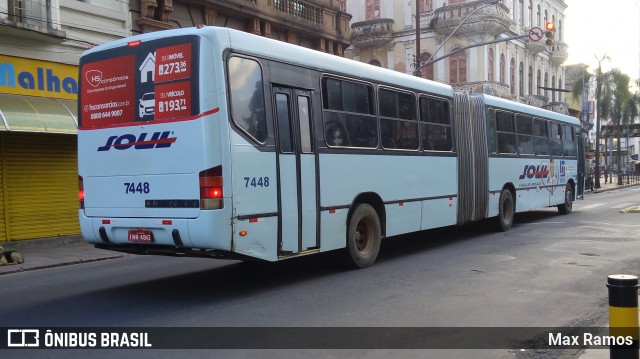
(594, 28)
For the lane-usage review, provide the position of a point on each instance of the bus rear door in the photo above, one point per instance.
(296, 171)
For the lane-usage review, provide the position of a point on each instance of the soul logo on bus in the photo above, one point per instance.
(537, 171)
(544, 170)
(126, 141)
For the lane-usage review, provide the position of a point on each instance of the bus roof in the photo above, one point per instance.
(302, 56)
(285, 52)
(520, 107)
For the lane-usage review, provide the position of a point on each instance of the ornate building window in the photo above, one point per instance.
(559, 86)
(427, 71)
(546, 84)
(375, 62)
(492, 66)
(503, 77)
(458, 67)
(512, 76)
(426, 5)
(373, 9)
(530, 80)
(521, 79)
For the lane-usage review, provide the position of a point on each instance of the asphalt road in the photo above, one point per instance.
(548, 271)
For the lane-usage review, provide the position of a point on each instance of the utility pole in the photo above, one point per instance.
(417, 34)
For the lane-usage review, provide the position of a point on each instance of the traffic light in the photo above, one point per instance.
(550, 32)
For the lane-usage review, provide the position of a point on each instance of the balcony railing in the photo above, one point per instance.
(559, 53)
(559, 107)
(536, 100)
(486, 87)
(32, 12)
(299, 9)
(426, 18)
(535, 47)
(371, 33)
(32, 15)
(490, 21)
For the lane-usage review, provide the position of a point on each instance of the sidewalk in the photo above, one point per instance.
(609, 186)
(54, 252)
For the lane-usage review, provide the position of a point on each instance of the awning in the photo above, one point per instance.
(38, 114)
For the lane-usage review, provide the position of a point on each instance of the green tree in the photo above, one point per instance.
(617, 104)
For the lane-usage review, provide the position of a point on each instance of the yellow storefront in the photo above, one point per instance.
(38, 160)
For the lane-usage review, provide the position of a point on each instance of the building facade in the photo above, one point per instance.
(316, 24)
(384, 34)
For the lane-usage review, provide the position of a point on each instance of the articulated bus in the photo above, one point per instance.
(212, 142)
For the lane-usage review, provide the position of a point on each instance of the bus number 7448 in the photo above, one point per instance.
(139, 187)
(256, 182)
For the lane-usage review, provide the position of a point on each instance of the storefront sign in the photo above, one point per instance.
(38, 78)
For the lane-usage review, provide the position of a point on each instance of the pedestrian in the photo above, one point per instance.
(605, 175)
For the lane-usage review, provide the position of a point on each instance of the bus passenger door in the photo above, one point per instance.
(296, 171)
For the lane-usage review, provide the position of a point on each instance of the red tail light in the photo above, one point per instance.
(211, 196)
(81, 192)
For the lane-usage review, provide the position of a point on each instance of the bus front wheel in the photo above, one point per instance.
(567, 206)
(506, 210)
(363, 236)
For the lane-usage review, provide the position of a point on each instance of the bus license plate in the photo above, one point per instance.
(140, 235)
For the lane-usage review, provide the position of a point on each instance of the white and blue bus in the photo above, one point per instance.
(213, 142)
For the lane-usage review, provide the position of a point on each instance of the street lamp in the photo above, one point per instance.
(418, 68)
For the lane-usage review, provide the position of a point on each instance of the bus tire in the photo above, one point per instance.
(567, 206)
(363, 237)
(506, 210)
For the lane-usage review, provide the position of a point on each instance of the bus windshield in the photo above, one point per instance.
(145, 81)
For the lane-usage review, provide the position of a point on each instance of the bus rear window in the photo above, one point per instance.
(155, 80)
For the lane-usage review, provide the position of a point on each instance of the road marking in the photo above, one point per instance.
(623, 205)
(600, 224)
(593, 206)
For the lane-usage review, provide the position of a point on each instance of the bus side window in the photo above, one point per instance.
(540, 137)
(506, 132)
(568, 141)
(524, 128)
(435, 125)
(247, 97)
(348, 115)
(556, 139)
(398, 120)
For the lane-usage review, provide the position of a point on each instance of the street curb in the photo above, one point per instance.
(53, 265)
(600, 190)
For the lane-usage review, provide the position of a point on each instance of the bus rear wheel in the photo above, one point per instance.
(506, 210)
(363, 237)
(567, 206)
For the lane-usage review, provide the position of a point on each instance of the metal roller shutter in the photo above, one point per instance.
(40, 185)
